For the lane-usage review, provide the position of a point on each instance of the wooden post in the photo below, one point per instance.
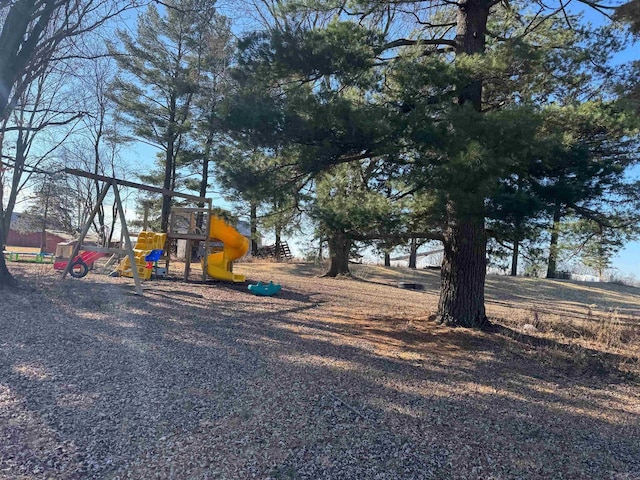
(145, 218)
(169, 242)
(205, 259)
(187, 259)
(127, 239)
(85, 229)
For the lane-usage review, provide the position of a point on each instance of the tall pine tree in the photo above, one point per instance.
(162, 68)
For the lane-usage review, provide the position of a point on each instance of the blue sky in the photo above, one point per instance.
(627, 262)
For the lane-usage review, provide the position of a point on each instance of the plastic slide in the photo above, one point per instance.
(235, 246)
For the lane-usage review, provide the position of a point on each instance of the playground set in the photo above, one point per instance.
(220, 243)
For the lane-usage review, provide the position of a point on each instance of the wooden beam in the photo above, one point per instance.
(187, 260)
(85, 229)
(190, 209)
(126, 183)
(92, 248)
(186, 236)
(205, 258)
(127, 239)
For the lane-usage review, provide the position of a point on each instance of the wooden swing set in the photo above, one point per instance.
(113, 183)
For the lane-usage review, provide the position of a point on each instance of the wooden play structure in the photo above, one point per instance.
(197, 226)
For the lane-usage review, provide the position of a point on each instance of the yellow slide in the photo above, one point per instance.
(235, 246)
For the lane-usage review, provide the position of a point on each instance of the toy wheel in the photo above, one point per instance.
(79, 269)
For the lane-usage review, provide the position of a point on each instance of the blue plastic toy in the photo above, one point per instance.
(153, 255)
(264, 289)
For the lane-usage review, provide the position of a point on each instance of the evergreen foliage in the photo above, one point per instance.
(164, 67)
(462, 115)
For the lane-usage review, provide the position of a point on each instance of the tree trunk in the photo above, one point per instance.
(43, 233)
(6, 279)
(19, 45)
(166, 200)
(413, 254)
(278, 245)
(169, 167)
(514, 258)
(253, 221)
(112, 228)
(553, 244)
(339, 248)
(463, 272)
(465, 243)
(97, 161)
(387, 259)
(18, 170)
(471, 27)
(204, 182)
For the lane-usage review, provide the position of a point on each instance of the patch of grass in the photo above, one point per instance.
(611, 332)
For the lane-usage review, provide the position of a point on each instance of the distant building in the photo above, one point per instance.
(244, 228)
(34, 239)
(22, 234)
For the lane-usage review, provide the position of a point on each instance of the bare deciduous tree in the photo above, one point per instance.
(34, 35)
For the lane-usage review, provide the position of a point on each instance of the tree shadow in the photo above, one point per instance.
(282, 386)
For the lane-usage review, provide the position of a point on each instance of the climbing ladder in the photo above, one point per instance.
(285, 252)
(147, 241)
(270, 251)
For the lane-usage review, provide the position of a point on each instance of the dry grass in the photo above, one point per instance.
(333, 378)
(599, 316)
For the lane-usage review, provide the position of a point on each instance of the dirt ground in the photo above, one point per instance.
(331, 379)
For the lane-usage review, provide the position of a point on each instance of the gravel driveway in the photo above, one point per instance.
(333, 379)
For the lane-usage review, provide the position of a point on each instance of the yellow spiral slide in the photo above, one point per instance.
(235, 246)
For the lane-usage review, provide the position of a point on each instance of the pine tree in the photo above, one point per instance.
(582, 172)
(51, 207)
(163, 66)
(347, 206)
(441, 104)
(254, 179)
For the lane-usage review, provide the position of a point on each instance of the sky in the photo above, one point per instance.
(626, 263)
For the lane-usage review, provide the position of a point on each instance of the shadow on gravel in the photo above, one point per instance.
(98, 383)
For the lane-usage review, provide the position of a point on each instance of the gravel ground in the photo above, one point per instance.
(332, 379)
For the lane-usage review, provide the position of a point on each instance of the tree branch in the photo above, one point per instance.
(397, 236)
(405, 42)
